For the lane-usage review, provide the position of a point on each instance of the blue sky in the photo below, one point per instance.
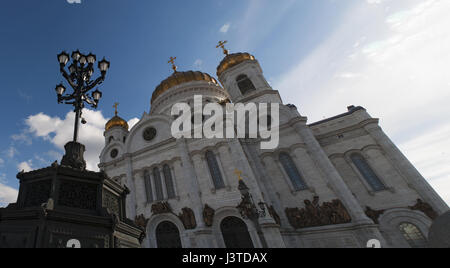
(390, 56)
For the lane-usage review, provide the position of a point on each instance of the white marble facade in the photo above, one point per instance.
(346, 158)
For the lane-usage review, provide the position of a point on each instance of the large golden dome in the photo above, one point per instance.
(233, 60)
(116, 121)
(178, 78)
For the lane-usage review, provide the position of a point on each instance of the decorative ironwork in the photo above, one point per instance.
(38, 193)
(188, 218)
(81, 71)
(313, 215)
(78, 195)
(426, 208)
(208, 215)
(111, 202)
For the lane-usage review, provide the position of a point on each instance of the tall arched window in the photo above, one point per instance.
(292, 172)
(169, 182)
(148, 186)
(158, 184)
(367, 172)
(245, 84)
(214, 170)
(413, 235)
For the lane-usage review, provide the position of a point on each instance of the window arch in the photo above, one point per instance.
(245, 84)
(148, 186)
(413, 235)
(158, 184)
(292, 172)
(214, 170)
(169, 182)
(367, 172)
(168, 235)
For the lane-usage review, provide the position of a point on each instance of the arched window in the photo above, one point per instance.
(367, 172)
(235, 233)
(214, 170)
(148, 186)
(292, 172)
(168, 235)
(158, 184)
(169, 182)
(245, 84)
(413, 235)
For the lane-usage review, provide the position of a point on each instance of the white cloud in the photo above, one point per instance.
(60, 131)
(74, 1)
(198, 64)
(25, 166)
(23, 138)
(11, 152)
(7, 195)
(225, 28)
(398, 71)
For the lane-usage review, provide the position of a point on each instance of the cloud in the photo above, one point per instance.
(225, 28)
(7, 195)
(396, 66)
(74, 1)
(59, 131)
(11, 152)
(2, 162)
(198, 64)
(22, 138)
(25, 166)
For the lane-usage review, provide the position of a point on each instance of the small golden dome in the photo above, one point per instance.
(178, 78)
(116, 121)
(233, 60)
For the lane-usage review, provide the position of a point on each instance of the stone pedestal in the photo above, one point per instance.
(66, 206)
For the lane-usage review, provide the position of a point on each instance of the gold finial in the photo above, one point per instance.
(222, 46)
(115, 107)
(239, 174)
(172, 62)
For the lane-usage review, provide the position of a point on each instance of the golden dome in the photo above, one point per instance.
(233, 60)
(178, 78)
(116, 122)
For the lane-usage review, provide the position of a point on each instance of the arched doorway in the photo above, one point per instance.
(167, 235)
(235, 233)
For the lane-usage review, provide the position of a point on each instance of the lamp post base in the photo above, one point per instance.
(74, 156)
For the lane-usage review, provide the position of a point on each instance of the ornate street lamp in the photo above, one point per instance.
(79, 78)
(248, 209)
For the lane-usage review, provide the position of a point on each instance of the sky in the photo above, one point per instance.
(389, 56)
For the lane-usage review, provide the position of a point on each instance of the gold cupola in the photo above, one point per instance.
(231, 60)
(116, 121)
(178, 78)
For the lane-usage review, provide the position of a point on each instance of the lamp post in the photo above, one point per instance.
(250, 211)
(79, 76)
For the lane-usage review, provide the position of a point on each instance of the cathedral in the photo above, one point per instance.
(340, 182)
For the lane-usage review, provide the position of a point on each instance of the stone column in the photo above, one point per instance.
(413, 177)
(141, 191)
(270, 229)
(163, 184)
(152, 182)
(203, 235)
(131, 198)
(333, 177)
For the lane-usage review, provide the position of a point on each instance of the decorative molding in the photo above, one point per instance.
(313, 215)
(426, 208)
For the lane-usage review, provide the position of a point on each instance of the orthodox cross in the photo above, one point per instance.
(172, 62)
(222, 46)
(239, 174)
(115, 107)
